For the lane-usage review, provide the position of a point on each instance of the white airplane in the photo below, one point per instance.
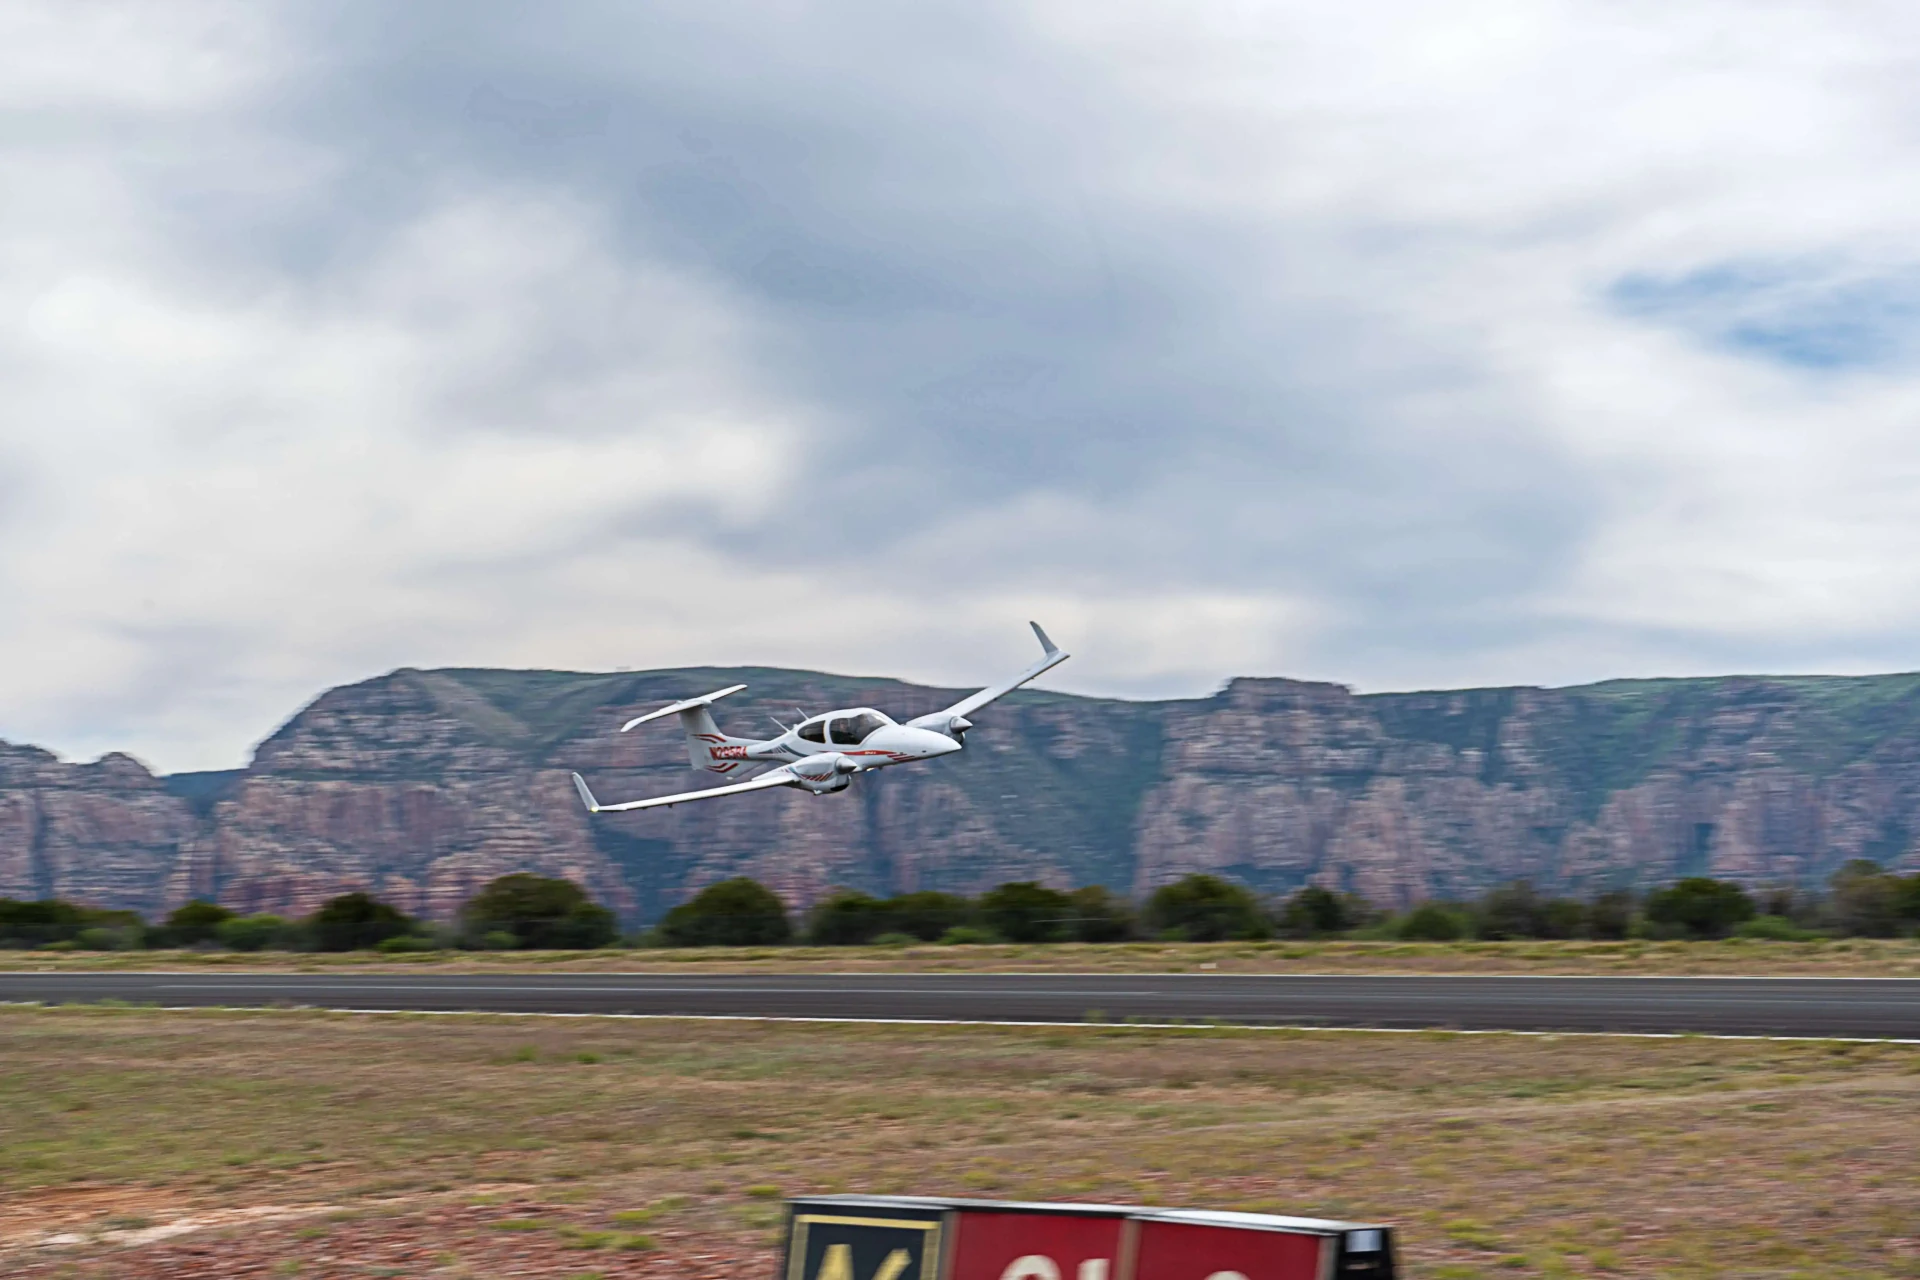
(822, 752)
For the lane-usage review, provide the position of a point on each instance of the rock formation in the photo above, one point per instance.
(419, 786)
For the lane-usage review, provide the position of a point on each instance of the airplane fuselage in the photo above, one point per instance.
(830, 748)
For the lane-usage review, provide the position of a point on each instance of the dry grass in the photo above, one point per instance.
(1858, 957)
(452, 1143)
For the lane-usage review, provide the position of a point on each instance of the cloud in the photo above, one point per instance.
(1515, 343)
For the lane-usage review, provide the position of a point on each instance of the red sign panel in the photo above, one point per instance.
(1035, 1246)
(1197, 1251)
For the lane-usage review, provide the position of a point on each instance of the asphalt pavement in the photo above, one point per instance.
(1871, 1007)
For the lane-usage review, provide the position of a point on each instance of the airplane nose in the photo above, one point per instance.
(935, 744)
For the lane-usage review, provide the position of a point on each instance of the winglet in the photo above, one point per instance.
(586, 795)
(1046, 644)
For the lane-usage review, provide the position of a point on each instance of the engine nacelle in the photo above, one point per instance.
(825, 773)
(954, 727)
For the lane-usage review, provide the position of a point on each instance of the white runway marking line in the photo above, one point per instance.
(258, 1011)
(670, 991)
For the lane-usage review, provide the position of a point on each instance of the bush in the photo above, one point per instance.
(405, 942)
(1026, 911)
(33, 924)
(895, 940)
(1433, 922)
(253, 933)
(847, 918)
(1517, 911)
(962, 935)
(1774, 929)
(928, 913)
(197, 922)
(1315, 912)
(1704, 908)
(1865, 901)
(97, 939)
(1907, 900)
(733, 913)
(356, 921)
(1202, 908)
(1610, 915)
(1101, 916)
(540, 913)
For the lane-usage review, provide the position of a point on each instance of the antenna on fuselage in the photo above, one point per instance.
(781, 727)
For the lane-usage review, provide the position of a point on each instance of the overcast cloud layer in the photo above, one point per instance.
(1403, 345)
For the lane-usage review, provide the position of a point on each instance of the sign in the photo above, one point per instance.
(1204, 1251)
(859, 1243)
(991, 1245)
(921, 1238)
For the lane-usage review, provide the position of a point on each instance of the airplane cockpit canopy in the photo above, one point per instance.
(844, 728)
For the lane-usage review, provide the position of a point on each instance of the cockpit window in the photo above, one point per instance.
(814, 732)
(852, 730)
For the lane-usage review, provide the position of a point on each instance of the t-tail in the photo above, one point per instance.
(707, 747)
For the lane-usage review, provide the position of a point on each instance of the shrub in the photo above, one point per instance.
(1202, 908)
(31, 924)
(540, 913)
(1774, 929)
(1865, 901)
(1610, 915)
(895, 940)
(34, 924)
(1702, 907)
(1026, 911)
(197, 922)
(252, 933)
(968, 935)
(1314, 912)
(1101, 916)
(1518, 911)
(1433, 922)
(928, 913)
(97, 939)
(405, 942)
(733, 913)
(847, 918)
(354, 921)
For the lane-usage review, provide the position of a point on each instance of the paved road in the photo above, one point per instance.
(1887, 1008)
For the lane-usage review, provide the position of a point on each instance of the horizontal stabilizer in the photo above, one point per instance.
(705, 699)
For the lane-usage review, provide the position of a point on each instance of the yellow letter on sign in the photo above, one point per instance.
(838, 1264)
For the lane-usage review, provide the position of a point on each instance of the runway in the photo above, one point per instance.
(1869, 1008)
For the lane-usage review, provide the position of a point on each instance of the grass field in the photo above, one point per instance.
(1857, 957)
(316, 1144)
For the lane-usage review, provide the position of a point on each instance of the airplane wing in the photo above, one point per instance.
(1050, 658)
(773, 778)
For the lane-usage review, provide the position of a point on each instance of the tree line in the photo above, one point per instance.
(516, 911)
(532, 912)
(1861, 900)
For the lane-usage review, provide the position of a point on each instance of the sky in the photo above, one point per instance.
(1404, 345)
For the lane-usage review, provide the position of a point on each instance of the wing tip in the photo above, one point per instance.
(586, 794)
(1046, 643)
